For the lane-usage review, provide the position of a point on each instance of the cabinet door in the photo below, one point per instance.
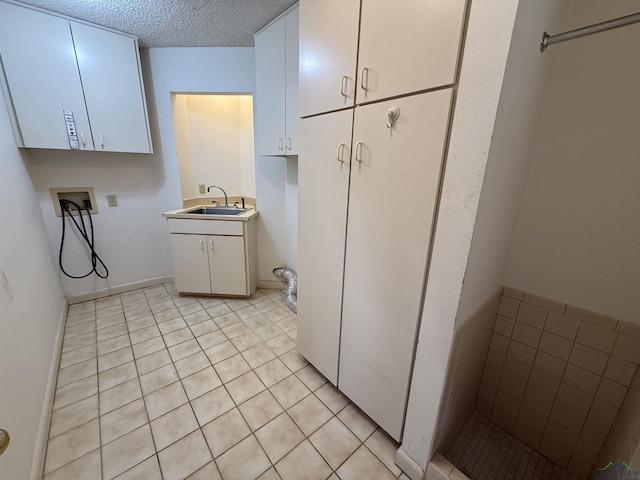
(394, 185)
(270, 90)
(291, 83)
(190, 263)
(328, 54)
(42, 77)
(407, 46)
(323, 186)
(110, 71)
(227, 265)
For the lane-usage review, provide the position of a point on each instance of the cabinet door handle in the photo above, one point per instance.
(84, 144)
(202, 244)
(358, 155)
(280, 143)
(211, 244)
(288, 144)
(101, 141)
(339, 153)
(364, 78)
(343, 86)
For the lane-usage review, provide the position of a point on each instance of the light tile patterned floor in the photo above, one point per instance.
(483, 451)
(155, 385)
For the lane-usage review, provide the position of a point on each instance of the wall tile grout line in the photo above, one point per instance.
(583, 366)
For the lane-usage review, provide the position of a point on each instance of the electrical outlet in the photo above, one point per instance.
(112, 200)
(203, 188)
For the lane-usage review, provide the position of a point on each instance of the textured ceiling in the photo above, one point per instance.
(175, 23)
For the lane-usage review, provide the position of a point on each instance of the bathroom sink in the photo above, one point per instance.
(217, 210)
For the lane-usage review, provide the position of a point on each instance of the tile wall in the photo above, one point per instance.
(471, 341)
(556, 376)
(623, 442)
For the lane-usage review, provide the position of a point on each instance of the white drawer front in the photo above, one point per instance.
(206, 227)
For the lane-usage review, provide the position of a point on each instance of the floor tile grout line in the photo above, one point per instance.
(46, 452)
(262, 342)
(146, 412)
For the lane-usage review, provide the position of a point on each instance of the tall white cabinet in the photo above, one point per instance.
(53, 65)
(323, 191)
(368, 183)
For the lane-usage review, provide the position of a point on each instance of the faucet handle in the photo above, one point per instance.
(215, 203)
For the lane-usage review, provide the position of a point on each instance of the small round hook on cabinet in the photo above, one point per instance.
(4, 440)
(392, 115)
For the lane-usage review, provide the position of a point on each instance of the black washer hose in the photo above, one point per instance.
(95, 259)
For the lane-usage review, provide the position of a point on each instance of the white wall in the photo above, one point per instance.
(220, 150)
(128, 238)
(246, 146)
(221, 70)
(183, 143)
(31, 307)
(271, 224)
(523, 95)
(291, 211)
(485, 56)
(133, 237)
(578, 230)
(277, 199)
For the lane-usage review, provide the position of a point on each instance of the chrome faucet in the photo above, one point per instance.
(226, 199)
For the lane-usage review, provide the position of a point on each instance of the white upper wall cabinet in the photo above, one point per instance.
(328, 55)
(41, 70)
(405, 46)
(276, 51)
(52, 64)
(292, 118)
(112, 83)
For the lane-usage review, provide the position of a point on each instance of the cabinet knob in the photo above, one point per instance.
(288, 143)
(4, 440)
(280, 143)
(202, 244)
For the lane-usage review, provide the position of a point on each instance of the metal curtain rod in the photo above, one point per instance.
(590, 30)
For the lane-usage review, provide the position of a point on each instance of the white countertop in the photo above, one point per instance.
(184, 213)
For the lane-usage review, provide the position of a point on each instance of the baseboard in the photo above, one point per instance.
(127, 287)
(410, 468)
(42, 437)
(272, 284)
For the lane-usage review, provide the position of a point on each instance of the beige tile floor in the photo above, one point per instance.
(155, 385)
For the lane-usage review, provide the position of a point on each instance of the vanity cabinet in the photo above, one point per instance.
(276, 53)
(401, 47)
(56, 68)
(213, 256)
